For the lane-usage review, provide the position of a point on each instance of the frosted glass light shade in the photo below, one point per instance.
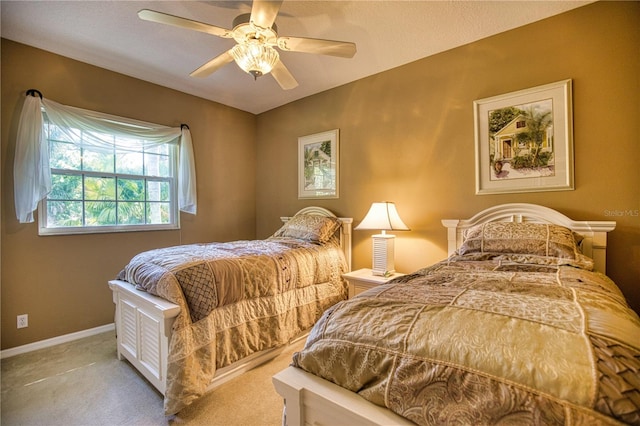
(383, 216)
(255, 58)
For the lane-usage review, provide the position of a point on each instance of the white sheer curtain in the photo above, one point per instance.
(32, 174)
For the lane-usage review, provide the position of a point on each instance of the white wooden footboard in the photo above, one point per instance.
(143, 328)
(310, 400)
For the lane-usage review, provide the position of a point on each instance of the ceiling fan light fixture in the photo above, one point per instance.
(255, 58)
(256, 35)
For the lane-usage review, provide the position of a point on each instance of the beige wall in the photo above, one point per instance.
(407, 135)
(61, 281)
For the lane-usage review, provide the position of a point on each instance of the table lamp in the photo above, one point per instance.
(383, 216)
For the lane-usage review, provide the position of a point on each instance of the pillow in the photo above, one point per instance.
(319, 229)
(520, 238)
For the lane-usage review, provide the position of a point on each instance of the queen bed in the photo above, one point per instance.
(519, 325)
(191, 317)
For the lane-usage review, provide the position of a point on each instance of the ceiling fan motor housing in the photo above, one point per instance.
(243, 30)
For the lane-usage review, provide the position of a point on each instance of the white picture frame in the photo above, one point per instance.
(524, 140)
(318, 165)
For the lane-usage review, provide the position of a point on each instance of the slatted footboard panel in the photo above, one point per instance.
(128, 329)
(150, 344)
(143, 327)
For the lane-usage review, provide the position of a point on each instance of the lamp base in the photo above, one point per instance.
(383, 254)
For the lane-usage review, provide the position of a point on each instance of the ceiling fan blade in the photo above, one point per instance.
(264, 12)
(343, 49)
(213, 65)
(176, 21)
(283, 77)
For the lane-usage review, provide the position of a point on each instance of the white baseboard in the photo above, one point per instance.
(56, 341)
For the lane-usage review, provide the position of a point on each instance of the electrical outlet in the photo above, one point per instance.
(23, 321)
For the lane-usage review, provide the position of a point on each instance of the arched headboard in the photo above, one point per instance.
(594, 233)
(345, 229)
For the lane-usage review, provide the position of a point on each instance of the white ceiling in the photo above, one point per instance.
(388, 34)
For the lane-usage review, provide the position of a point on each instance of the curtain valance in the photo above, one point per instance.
(32, 173)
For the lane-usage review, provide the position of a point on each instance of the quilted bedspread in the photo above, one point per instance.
(480, 340)
(236, 299)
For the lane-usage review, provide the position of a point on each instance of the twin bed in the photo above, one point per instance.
(513, 327)
(191, 317)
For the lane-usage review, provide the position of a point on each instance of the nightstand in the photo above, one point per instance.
(362, 280)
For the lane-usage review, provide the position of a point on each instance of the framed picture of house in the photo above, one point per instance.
(318, 165)
(524, 140)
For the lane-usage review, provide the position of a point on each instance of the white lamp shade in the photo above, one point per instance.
(383, 216)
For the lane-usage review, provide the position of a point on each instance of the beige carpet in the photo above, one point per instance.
(83, 383)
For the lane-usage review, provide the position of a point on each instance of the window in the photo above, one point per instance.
(119, 184)
(111, 173)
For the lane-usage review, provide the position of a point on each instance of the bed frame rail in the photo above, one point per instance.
(310, 400)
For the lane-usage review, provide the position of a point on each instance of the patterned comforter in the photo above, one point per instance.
(236, 299)
(481, 339)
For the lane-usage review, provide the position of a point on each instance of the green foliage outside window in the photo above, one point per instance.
(97, 187)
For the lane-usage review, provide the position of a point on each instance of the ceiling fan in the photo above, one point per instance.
(256, 35)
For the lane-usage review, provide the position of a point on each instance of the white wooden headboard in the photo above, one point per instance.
(345, 229)
(594, 233)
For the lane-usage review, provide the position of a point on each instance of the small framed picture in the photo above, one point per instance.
(524, 140)
(318, 165)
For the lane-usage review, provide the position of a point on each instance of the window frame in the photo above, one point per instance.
(174, 212)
